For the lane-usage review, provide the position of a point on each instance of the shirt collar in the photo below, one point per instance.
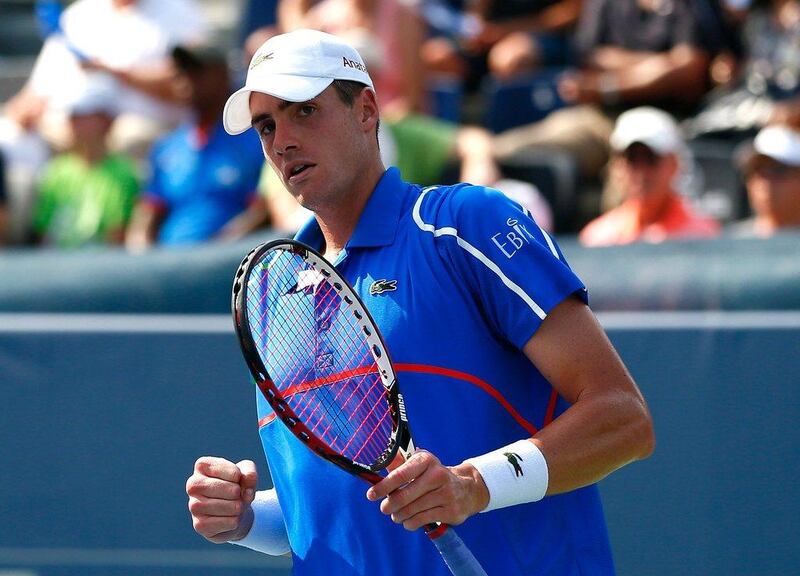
(377, 225)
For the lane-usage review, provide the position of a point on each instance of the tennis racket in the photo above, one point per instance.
(321, 363)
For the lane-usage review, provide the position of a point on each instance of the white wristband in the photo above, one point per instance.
(514, 474)
(268, 532)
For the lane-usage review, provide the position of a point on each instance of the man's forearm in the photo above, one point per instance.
(679, 74)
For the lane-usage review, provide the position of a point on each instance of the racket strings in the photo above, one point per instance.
(369, 438)
(318, 357)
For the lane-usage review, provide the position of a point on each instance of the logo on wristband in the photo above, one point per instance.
(514, 460)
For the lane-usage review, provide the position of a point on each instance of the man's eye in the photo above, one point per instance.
(267, 128)
(306, 110)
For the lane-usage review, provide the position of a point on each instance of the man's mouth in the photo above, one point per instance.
(297, 171)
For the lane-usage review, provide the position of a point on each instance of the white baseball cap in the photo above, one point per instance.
(649, 126)
(296, 66)
(98, 93)
(778, 142)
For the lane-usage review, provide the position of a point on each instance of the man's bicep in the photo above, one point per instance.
(573, 353)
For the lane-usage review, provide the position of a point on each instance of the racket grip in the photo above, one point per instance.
(456, 555)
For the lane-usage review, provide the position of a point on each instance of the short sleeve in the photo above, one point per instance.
(184, 22)
(687, 28)
(154, 189)
(2, 178)
(47, 199)
(590, 31)
(119, 212)
(515, 270)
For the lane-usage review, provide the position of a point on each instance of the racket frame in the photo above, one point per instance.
(458, 558)
(400, 444)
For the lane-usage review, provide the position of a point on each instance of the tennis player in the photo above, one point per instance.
(514, 392)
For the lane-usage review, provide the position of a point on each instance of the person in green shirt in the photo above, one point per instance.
(87, 194)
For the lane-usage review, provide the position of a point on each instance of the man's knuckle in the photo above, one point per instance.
(399, 499)
(439, 475)
(402, 475)
(232, 491)
(202, 463)
(194, 485)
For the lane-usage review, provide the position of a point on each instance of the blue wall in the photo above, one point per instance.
(718, 495)
(100, 432)
(104, 416)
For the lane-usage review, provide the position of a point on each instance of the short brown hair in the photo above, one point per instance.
(347, 90)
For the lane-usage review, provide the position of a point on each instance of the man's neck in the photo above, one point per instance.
(207, 116)
(337, 223)
(91, 152)
(653, 208)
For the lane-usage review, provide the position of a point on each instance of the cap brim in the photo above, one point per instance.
(236, 116)
(622, 143)
(786, 157)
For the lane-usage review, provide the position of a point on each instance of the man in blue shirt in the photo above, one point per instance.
(203, 182)
(517, 397)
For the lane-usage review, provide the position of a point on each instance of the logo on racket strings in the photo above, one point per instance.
(381, 286)
(324, 360)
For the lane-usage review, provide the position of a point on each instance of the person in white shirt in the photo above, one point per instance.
(127, 39)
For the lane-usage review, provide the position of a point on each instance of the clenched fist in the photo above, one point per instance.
(220, 494)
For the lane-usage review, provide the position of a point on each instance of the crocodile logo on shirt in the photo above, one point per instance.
(381, 286)
(514, 460)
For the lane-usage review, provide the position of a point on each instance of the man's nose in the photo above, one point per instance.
(284, 139)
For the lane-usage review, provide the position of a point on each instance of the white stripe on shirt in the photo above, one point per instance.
(476, 253)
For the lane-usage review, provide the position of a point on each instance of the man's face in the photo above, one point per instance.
(203, 88)
(317, 147)
(91, 126)
(641, 173)
(774, 189)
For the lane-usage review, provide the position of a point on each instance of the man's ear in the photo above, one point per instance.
(368, 109)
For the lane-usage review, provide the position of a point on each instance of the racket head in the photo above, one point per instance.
(318, 357)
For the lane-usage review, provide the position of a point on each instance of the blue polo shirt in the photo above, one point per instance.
(474, 277)
(201, 184)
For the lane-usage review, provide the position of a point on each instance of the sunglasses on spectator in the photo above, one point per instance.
(640, 154)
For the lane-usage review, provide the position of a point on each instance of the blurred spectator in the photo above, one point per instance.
(631, 52)
(129, 39)
(501, 37)
(26, 154)
(771, 169)
(648, 153)
(203, 183)
(388, 33)
(87, 195)
(256, 16)
(765, 86)
(721, 21)
(426, 151)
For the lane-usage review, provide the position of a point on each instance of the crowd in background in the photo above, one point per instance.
(616, 120)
